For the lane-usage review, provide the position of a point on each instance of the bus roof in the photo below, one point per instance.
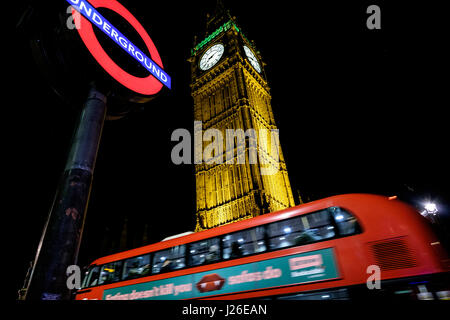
(178, 235)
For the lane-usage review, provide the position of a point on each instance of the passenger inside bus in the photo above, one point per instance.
(304, 238)
(137, 271)
(168, 265)
(213, 253)
(136, 267)
(236, 251)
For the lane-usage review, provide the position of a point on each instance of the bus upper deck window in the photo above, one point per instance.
(170, 259)
(110, 272)
(204, 251)
(301, 230)
(346, 223)
(319, 225)
(91, 278)
(285, 233)
(242, 243)
(136, 267)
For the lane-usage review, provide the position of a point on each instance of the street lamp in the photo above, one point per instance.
(431, 208)
(430, 212)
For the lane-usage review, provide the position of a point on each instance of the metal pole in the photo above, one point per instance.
(61, 238)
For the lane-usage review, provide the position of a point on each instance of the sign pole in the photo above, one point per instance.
(52, 47)
(61, 238)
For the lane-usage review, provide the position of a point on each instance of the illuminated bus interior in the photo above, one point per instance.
(326, 224)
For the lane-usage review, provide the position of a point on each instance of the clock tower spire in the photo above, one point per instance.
(219, 17)
(231, 94)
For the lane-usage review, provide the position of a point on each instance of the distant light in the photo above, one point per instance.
(403, 291)
(287, 230)
(392, 198)
(339, 217)
(282, 238)
(163, 258)
(418, 282)
(192, 251)
(325, 296)
(241, 240)
(330, 228)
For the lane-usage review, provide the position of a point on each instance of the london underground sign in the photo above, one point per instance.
(149, 85)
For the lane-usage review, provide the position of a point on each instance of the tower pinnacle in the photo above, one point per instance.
(219, 16)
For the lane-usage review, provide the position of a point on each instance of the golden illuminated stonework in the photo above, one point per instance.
(230, 92)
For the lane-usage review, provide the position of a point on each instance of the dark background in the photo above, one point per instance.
(358, 111)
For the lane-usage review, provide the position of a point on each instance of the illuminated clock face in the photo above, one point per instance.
(252, 58)
(211, 56)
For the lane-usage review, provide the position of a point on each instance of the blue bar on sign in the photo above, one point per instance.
(90, 13)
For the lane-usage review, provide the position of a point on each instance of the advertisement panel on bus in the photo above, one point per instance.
(289, 270)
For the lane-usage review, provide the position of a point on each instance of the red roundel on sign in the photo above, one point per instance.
(146, 86)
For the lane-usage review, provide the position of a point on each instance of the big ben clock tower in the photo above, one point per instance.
(230, 92)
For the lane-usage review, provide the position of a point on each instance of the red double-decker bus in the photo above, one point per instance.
(352, 246)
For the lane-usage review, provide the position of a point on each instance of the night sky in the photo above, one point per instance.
(358, 111)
